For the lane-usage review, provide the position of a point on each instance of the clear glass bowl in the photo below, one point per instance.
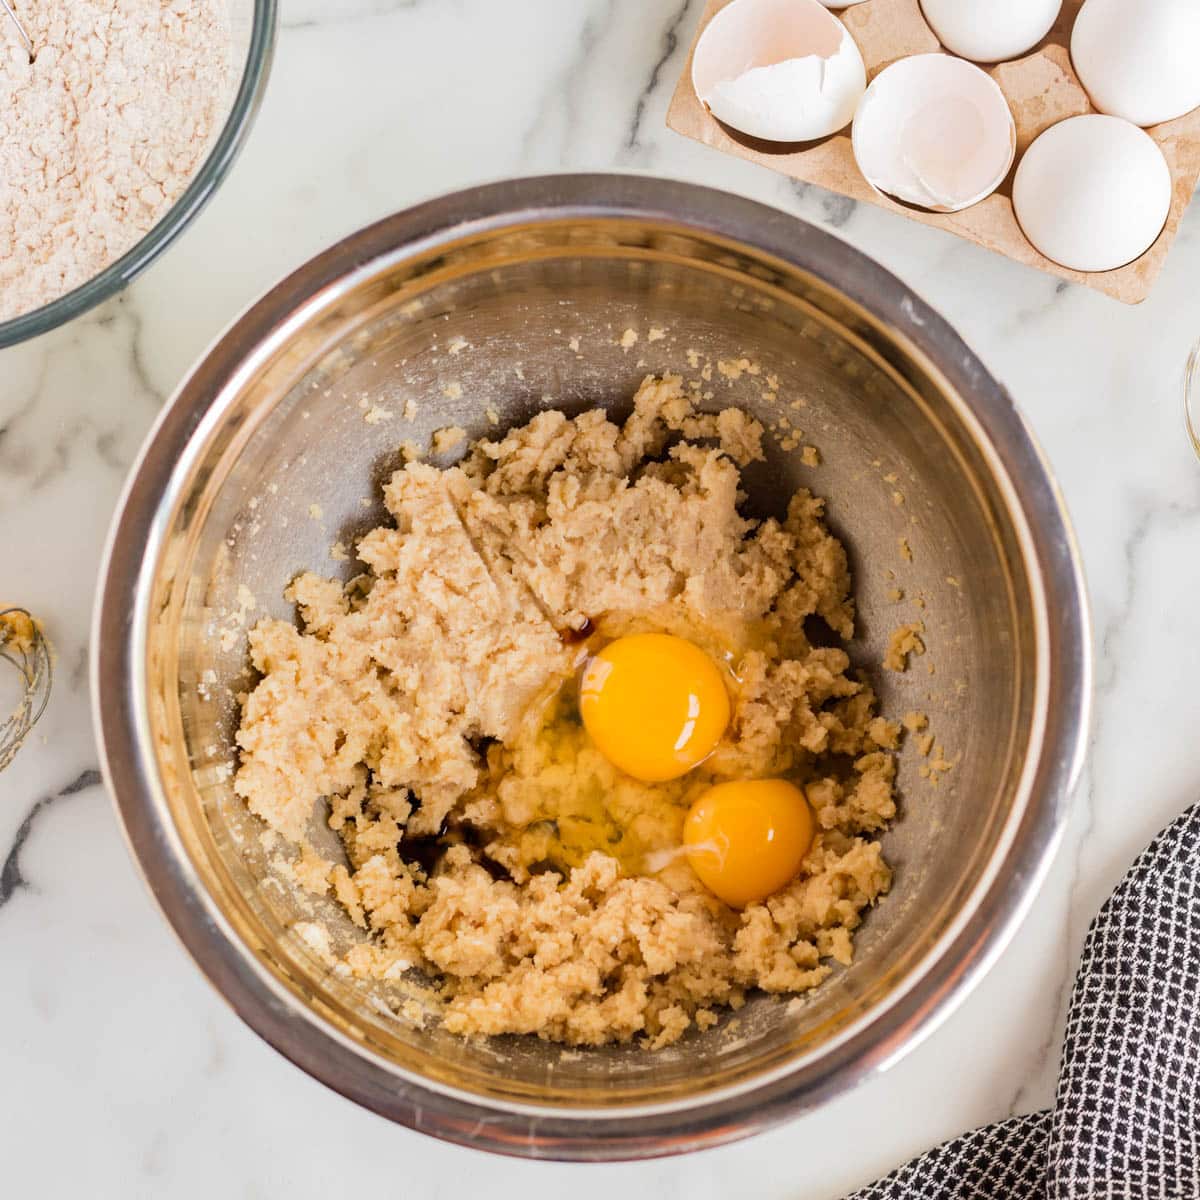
(253, 27)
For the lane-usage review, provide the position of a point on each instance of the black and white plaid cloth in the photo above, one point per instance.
(1126, 1118)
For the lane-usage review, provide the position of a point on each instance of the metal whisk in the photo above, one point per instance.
(28, 44)
(24, 648)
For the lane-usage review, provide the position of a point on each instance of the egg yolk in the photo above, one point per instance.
(655, 705)
(746, 839)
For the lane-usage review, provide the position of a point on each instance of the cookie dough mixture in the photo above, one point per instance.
(432, 702)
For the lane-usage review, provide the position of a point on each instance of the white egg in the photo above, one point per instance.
(934, 131)
(1139, 59)
(783, 70)
(990, 30)
(1092, 192)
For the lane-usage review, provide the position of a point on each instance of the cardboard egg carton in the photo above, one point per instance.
(1041, 89)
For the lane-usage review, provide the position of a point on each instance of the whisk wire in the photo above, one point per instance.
(24, 648)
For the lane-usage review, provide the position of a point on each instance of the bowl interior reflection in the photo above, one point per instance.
(899, 463)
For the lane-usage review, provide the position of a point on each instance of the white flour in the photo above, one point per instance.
(101, 133)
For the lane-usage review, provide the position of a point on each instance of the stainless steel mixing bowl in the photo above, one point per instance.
(217, 518)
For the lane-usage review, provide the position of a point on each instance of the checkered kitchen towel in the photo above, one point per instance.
(1126, 1119)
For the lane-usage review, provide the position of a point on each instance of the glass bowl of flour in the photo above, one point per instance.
(113, 138)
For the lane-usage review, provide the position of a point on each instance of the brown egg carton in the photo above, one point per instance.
(1041, 89)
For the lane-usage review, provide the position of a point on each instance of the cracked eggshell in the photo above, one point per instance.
(1093, 192)
(990, 31)
(934, 131)
(782, 70)
(1139, 60)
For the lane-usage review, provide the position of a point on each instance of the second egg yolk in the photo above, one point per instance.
(654, 704)
(746, 839)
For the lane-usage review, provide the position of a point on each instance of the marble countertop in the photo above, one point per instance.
(124, 1073)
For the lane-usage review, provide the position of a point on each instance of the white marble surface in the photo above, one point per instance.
(123, 1073)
